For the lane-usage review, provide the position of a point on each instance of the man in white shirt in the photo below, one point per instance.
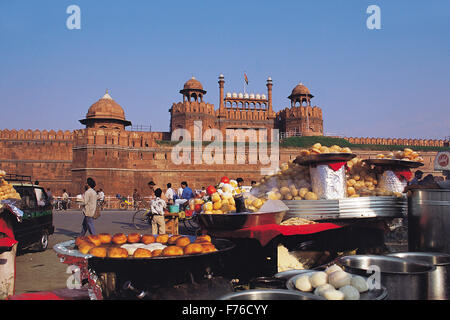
(169, 193)
(158, 209)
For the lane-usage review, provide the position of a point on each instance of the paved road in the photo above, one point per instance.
(42, 271)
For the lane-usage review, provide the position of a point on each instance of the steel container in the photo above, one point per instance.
(439, 279)
(404, 280)
(270, 294)
(350, 208)
(429, 220)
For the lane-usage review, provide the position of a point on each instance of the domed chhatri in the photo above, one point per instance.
(300, 89)
(105, 111)
(193, 84)
(300, 95)
(193, 90)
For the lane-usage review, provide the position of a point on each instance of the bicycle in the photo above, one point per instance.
(123, 202)
(142, 219)
(58, 205)
(189, 220)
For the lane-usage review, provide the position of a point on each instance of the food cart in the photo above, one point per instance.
(296, 230)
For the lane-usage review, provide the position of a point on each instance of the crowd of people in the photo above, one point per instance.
(429, 181)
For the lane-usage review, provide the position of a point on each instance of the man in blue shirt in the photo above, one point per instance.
(187, 192)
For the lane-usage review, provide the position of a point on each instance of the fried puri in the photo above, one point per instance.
(156, 253)
(117, 253)
(95, 239)
(193, 248)
(172, 251)
(182, 241)
(142, 253)
(203, 238)
(148, 238)
(84, 247)
(98, 252)
(134, 238)
(173, 239)
(208, 247)
(80, 240)
(119, 238)
(105, 238)
(162, 238)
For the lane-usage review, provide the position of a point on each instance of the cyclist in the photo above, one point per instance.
(65, 199)
(101, 198)
(136, 199)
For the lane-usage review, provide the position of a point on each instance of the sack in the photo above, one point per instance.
(97, 212)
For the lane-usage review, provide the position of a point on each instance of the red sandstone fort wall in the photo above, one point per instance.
(123, 160)
(44, 155)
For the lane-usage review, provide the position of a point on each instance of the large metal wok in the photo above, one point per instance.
(235, 221)
(145, 273)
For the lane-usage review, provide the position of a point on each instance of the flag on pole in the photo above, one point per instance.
(245, 77)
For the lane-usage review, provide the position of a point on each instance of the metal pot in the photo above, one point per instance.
(270, 294)
(429, 221)
(235, 221)
(404, 280)
(439, 280)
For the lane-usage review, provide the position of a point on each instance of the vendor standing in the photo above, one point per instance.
(170, 194)
(158, 208)
(89, 204)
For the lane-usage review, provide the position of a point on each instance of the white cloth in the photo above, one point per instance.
(169, 194)
(180, 192)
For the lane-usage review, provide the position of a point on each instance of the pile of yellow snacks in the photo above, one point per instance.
(407, 155)
(7, 191)
(221, 199)
(317, 148)
(362, 181)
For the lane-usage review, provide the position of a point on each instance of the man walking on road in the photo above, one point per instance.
(89, 204)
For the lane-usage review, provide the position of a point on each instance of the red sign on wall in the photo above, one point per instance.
(443, 160)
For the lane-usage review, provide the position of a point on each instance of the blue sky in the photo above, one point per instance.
(392, 82)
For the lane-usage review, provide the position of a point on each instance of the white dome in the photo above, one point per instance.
(263, 96)
(252, 96)
(228, 94)
(241, 95)
(258, 96)
(246, 96)
(234, 95)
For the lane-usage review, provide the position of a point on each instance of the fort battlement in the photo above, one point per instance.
(36, 135)
(399, 141)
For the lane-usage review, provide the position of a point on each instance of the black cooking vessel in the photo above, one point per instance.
(144, 273)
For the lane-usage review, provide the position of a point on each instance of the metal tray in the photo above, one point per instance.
(270, 294)
(68, 248)
(349, 208)
(394, 163)
(323, 157)
(235, 221)
(372, 294)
